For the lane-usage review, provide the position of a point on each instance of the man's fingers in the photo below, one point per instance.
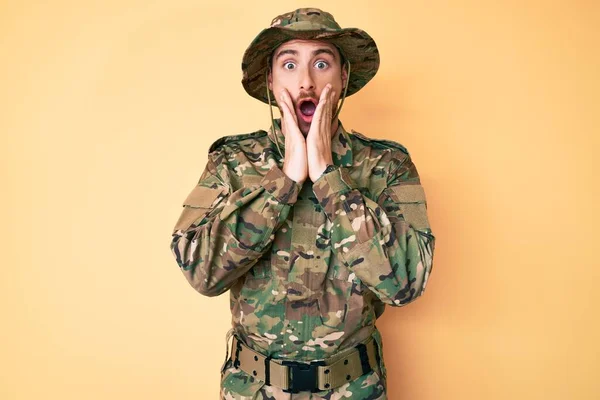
(322, 103)
(332, 101)
(288, 116)
(318, 116)
(332, 106)
(326, 91)
(326, 121)
(285, 110)
(288, 119)
(287, 100)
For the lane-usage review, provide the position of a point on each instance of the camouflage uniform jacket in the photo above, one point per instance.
(309, 268)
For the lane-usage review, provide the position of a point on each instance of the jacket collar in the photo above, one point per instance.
(341, 143)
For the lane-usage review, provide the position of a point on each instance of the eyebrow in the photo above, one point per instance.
(314, 53)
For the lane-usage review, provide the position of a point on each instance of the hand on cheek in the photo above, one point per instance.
(295, 164)
(318, 141)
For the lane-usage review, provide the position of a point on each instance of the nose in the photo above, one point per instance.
(307, 82)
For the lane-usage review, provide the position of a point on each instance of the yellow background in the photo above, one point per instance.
(107, 109)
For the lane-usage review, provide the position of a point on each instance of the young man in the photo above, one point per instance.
(312, 229)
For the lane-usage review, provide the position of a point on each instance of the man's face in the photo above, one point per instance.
(304, 67)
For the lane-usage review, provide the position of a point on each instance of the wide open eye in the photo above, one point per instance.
(321, 64)
(289, 63)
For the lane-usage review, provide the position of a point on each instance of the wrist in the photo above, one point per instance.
(324, 170)
(294, 174)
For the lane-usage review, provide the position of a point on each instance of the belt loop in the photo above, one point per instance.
(238, 348)
(364, 357)
(268, 370)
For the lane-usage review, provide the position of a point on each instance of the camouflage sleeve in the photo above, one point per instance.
(220, 235)
(388, 244)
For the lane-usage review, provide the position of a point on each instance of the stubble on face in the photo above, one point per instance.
(305, 127)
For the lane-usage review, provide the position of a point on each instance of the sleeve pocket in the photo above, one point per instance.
(203, 197)
(198, 205)
(412, 203)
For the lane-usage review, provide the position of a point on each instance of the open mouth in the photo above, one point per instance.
(307, 109)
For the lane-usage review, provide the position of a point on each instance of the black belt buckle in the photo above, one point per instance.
(303, 377)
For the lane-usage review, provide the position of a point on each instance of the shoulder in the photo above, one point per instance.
(378, 144)
(384, 159)
(236, 141)
(385, 153)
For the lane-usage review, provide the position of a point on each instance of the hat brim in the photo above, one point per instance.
(357, 46)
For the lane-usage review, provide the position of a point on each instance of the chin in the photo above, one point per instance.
(303, 128)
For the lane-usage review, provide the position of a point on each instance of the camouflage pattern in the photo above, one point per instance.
(309, 23)
(309, 267)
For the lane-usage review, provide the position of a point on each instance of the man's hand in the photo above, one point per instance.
(318, 141)
(295, 163)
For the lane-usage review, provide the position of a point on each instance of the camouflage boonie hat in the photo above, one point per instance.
(356, 46)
